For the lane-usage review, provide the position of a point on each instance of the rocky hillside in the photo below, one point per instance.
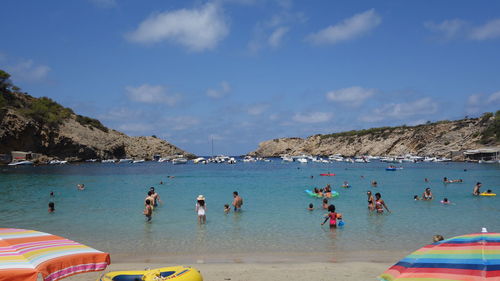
(42, 126)
(437, 139)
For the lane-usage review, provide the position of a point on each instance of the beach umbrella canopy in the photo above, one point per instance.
(470, 257)
(26, 253)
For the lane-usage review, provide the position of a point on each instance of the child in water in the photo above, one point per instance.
(445, 201)
(148, 210)
(335, 218)
(415, 197)
(227, 209)
(311, 207)
(51, 207)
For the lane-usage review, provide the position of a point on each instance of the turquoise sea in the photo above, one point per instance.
(274, 221)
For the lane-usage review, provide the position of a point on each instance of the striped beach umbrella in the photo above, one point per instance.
(470, 257)
(26, 253)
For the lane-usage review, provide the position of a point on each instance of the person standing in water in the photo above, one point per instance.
(237, 201)
(380, 204)
(150, 199)
(371, 201)
(201, 209)
(476, 191)
(332, 216)
(427, 195)
(156, 197)
(148, 210)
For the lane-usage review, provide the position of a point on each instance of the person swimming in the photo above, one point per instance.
(52, 207)
(445, 201)
(325, 204)
(415, 197)
(311, 207)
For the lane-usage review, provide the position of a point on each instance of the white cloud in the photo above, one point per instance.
(353, 96)
(152, 94)
(27, 70)
(399, 111)
(313, 117)
(448, 28)
(348, 29)
(104, 3)
(457, 28)
(257, 109)
(494, 98)
(197, 29)
(277, 36)
(489, 30)
(224, 89)
(181, 123)
(479, 103)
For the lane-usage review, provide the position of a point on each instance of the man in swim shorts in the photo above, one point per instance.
(237, 201)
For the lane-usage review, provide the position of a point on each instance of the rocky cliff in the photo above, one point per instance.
(433, 139)
(42, 126)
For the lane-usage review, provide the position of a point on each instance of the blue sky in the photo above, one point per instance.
(245, 71)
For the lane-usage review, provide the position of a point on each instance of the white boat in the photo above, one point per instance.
(161, 160)
(443, 159)
(125, 160)
(348, 160)
(231, 161)
(286, 158)
(302, 160)
(91, 160)
(108, 161)
(178, 161)
(21, 163)
(487, 162)
(248, 159)
(200, 160)
(57, 162)
(138, 161)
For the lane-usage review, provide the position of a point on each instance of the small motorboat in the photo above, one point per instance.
(21, 163)
(126, 160)
(327, 175)
(138, 161)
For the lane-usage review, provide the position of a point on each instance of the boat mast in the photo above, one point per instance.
(212, 146)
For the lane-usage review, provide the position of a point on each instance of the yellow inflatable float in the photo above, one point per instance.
(488, 194)
(174, 273)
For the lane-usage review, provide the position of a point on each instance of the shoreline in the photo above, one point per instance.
(288, 257)
(347, 271)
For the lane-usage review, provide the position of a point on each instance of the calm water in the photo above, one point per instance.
(108, 214)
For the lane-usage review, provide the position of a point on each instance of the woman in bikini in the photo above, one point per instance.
(380, 204)
(427, 195)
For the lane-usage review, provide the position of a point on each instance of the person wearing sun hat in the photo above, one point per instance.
(201, 209)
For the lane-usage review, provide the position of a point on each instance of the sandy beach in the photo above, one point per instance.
(317, 271)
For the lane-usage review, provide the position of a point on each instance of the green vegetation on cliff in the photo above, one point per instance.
(43, 110)
(492, 133)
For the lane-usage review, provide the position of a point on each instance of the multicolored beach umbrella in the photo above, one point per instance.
(26, 253)
(470, 257)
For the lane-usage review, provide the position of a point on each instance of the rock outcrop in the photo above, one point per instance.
(42, 126)
(434, 139)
